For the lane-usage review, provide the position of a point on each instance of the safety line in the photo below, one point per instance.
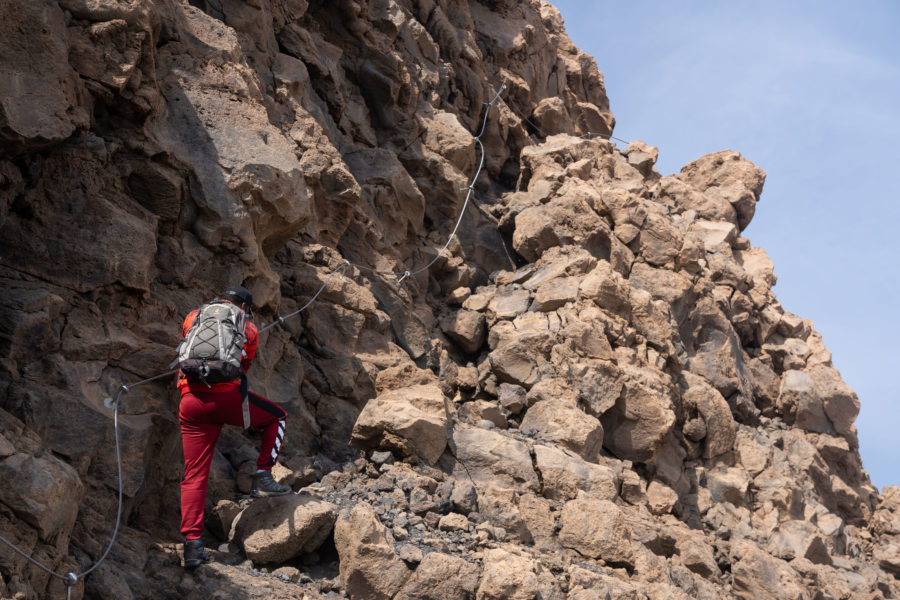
(71, 579)
(588, 134)
(346, 263)
(470, 190)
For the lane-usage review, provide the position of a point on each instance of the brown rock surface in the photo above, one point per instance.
(275, 530)
(369, 567)
(593, 388)
(410, 421)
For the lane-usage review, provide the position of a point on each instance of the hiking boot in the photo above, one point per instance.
(194, 554)
(265, 485)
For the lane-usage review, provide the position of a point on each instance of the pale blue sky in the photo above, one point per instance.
(810, 92)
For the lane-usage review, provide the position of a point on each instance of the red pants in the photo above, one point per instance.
(202, 415)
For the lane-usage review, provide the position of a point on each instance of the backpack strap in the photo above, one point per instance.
(245, 401)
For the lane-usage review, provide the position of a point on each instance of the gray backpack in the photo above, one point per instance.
(211, 351)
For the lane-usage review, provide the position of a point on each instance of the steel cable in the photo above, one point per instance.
(71, 579)
(470, 190)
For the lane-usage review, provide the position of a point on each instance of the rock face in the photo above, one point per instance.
(592, 391)
(277, 529)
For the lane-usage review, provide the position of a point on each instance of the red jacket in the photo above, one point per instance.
(249, 352)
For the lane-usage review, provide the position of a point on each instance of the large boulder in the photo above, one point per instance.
(707, 403)
(597, 529)
(466, 328)
(555, 293)
(759, 576)
(561, 421)
(370, 570)
(275, 530)
(799, 539)
(564, 474)
(42, 491)
(508, 575)
(518, 353)
(840, 402)
(729, 176)
(492, 458)
(800, 405)
(441, 577)
(411, 421)
(642, 417)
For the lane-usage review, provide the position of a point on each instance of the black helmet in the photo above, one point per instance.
(238, 294)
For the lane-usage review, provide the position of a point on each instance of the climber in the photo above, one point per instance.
(207, 405)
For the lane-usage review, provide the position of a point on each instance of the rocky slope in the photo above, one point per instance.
(594, 393)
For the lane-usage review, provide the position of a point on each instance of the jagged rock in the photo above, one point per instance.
(888, 557)
(410, 554)
(799, 539)
(727, 175)
(757, 575)
(698, 556)
(222, 517)
(507, 575)
(562, 422)
(660, 240)
(886, 519)
(719, 426)
(540, 518)
(642, 156)
(42, 491)
(500, 506)
(411, 421)
(489, 457)
(464, 498)
(841, 403)
(715, 352)
(466, 328)
(549, 390)
(673, 287)
(556, 293)
(275, 530)
(713, 233)
(483, 410)
(728, 485)
(754, 455)
(790, 353)
(661, 498)
(799, 403)
(509, 303)
(441, 577)
(596, 529)
(453, 522)
(516, 354)
(512, 397)
(39, 93)
(421, 502)
(587, 585)
(607, 288)
(369, 567)
(564, 474)
(152, 153)
(642, 417)
(634, 490)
